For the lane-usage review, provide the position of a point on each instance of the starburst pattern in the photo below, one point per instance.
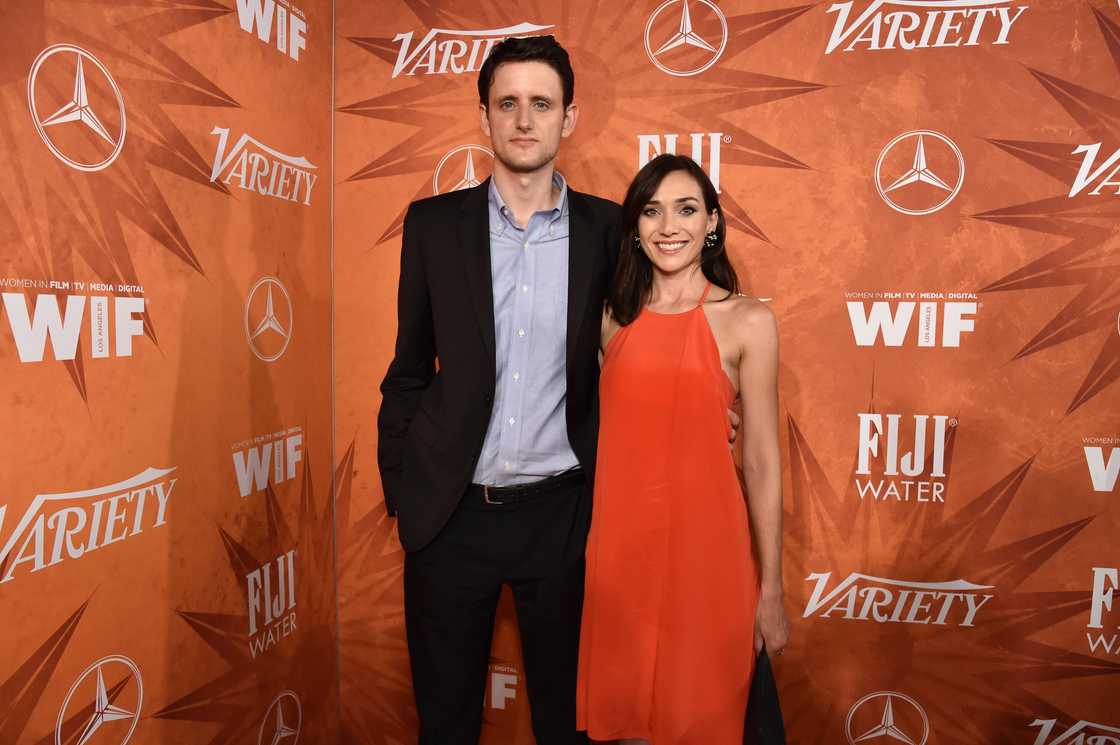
(72, 223)
(995, 666)
(376, 683)
(24, 688)
(441, 115)
(1088, 256)
(232, 700)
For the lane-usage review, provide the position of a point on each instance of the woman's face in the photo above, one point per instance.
(673, 223)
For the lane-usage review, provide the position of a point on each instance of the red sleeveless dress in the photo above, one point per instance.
(666, 647)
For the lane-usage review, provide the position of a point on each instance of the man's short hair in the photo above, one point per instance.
(528, 49)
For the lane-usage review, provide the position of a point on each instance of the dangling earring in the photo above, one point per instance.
(637, 242)
(710, 240)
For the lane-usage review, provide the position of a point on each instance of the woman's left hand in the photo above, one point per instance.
(771, 624)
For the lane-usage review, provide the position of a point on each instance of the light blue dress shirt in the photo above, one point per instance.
(527, 439)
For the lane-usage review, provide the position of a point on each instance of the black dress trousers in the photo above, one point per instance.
(452, 587)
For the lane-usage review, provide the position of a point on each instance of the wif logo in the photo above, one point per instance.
(113, 322)
(71, 525)
(1103, 471)
(270, 592)
(503, 685)
(262, 17)
(650, 146)
(267, 459)
(889, 320)
(924, 480)
(1103, 175)
(861, 597)
(920, 24)
(1082, 733)
(446, 50)
(1106, 587)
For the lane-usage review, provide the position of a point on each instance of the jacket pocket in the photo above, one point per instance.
(425, 428)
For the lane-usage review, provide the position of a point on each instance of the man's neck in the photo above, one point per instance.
(525, 193)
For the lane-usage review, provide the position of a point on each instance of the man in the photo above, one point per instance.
(487, 457)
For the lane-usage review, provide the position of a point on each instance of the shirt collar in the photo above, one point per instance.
(559, 210)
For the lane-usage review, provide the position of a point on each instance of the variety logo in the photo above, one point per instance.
(919, 24)
(462, 168)
(1104, 464)
(267, 459)
(282, 722)
(85, 132)
(1106, 588)
(503, 685)
(271, 597)
(861, 597)
(888, 320)
(446, 50)
(1082, 733)
(929, 168)
(257, 167)
(111, 693)
(113, 321)
(650, 146)
(268, 319)
(1103, 175)
(57, 527)
(929, 486)
(673, 43)
(887, 715)
(263, 16)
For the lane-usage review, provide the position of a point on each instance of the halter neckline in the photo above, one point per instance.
(703, 297)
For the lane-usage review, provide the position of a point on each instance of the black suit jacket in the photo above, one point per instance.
(438, 392)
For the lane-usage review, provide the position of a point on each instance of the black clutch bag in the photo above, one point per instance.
(764, 714)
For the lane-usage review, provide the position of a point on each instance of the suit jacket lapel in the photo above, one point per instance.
(474, 237)
(581, 262)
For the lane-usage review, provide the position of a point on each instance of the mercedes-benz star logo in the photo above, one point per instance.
(943, 183)
(901, 719)
(282, 721)
(470, 175)
(89, 143)
(109, 703)
(268, 319)
(688, 61)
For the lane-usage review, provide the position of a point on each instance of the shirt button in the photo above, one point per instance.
(506, 465)
(524, 288)
(512, 420)
(517, 376)
(525, 244)
(521, 332)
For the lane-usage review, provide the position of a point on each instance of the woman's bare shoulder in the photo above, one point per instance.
(744, 311)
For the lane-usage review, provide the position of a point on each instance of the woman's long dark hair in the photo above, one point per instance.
(633, 277)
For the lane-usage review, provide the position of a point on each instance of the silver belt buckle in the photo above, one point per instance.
(486, 496)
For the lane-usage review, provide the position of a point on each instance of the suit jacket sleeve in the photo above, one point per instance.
(413, 365)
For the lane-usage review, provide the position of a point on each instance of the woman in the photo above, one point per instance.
(675, 609)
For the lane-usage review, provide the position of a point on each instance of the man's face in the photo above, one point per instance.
(526, 118)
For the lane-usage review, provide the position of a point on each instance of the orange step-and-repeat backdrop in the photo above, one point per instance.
(927, 193)
(166, 567)
(924, 190)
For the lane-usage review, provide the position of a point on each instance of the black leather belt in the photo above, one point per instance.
(478, 494)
